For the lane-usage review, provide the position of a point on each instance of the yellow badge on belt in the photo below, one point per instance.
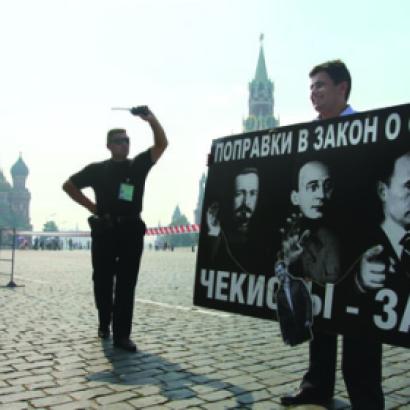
(126, 192)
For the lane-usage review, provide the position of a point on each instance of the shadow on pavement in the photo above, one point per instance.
(174, 382)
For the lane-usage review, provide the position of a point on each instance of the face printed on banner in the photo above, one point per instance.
(315, 188)
(395, 195)
(245, 199)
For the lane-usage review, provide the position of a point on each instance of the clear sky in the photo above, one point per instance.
(65, 63)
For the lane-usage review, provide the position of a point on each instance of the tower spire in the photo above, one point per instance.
(261, 73)
(261, 101)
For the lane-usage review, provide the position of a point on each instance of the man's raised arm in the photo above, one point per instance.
(160, 139)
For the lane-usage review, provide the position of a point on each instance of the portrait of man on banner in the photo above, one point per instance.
(383, 269)
(231, 241)
(311, 246)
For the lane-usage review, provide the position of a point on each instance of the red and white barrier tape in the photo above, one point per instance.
(161, 230)
(171, 230)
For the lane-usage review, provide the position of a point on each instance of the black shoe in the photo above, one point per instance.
(305, 396)
(126, 344)
(104, 333)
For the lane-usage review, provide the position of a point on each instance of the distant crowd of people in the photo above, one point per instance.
(51, 243)
(165, 246)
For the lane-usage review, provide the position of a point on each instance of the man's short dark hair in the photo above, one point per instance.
(113, 132)
(337, 71)
(248, 170)
(387, 162)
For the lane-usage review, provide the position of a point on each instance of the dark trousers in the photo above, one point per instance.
(361, 368)
(116, 255)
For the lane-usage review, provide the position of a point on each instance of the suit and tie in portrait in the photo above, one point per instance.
(384, 267)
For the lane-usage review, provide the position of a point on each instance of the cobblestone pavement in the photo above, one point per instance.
(50, 357)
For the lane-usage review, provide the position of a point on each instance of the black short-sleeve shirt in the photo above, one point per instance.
(106, 178)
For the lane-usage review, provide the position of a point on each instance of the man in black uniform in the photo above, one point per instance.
(117, 229)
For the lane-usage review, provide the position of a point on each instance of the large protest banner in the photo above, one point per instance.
(331, 199)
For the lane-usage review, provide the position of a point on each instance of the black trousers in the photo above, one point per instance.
(116, 254)
(361, 368)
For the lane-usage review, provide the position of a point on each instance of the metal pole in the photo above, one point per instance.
(12, 284)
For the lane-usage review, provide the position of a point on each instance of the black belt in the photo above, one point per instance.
(120, 219)
(101, 224)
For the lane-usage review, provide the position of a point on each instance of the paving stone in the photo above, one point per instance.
(224, 404)
(68, 388)
(177, 384)
(69, 360)
(20, 396)
(204, 389)
(242, 380)
(179, 394)
(10, 389)
(14, 375)
(143, 402)
(70, 380)
(266, 405)
(6, 369)
(193, 403)
(33, 365)
(255, 386)
(69, 373)
(77, 405)
(171, 376)
(136, 376)
(216, 395)
(226, 374)
(50, 401)
(42, 385)
(90, 393)
(115, 398)
(31, 379)
(395, 383)
(147, 390)
(12, 362)
(392, 404)
(204, 370)
(41, 370)
(20, 405)
(118, 406)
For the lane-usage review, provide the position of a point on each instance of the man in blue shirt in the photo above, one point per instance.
(361, 363)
